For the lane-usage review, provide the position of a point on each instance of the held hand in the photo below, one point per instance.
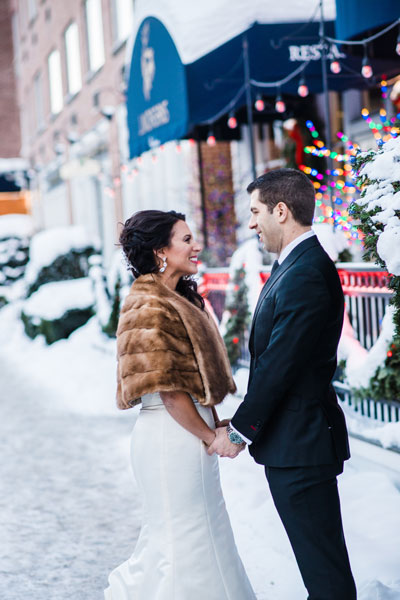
(223, 423)
(223, 446)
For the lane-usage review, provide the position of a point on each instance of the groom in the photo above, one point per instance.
(290, 417)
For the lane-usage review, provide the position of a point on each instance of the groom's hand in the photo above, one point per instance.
(223, 446)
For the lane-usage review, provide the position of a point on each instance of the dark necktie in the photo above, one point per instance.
(274, 267)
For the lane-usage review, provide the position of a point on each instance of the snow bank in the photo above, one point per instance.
(332, 241)
(53, 300)
(249, 255)
(20, 226)
(385, 434)
(85, 363)
(350, 348)
(47, 245)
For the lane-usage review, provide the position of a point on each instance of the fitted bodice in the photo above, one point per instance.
(153, 400)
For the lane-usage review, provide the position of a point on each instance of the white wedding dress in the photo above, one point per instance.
(186, 549)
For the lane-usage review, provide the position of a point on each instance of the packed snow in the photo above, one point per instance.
(53, 300)
(47, 245)
(18, 226)
(70, 510)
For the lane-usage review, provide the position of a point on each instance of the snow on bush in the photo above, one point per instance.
(58, 254)
(16, 226)
(58, 308)
(15, 232)
(378, 210)
(52, 300)
(380, 198)
(332, 241)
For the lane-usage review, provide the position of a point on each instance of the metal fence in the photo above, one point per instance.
(387, 411)
(367, 295)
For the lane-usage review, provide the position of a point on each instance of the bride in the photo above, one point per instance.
(172, 359)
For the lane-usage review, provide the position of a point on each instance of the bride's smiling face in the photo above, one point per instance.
(182, 252)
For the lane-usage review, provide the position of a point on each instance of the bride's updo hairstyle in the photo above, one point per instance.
(143, 234)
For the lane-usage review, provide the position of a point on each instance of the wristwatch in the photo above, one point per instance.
(233, 435)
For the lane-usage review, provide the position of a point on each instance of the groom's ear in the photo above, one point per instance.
(282, 212)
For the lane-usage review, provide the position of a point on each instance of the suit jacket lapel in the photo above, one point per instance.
(287, 263)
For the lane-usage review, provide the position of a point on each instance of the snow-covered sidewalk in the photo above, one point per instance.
(69, 512)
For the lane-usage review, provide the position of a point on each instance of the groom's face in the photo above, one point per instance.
(264, 223)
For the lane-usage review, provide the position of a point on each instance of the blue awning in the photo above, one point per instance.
(355, 17)
(156, 98)
(166, 99)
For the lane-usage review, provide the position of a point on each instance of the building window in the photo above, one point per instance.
(38, 92)
(32, 9)
(122, 19)
(16, 44)
(73, 59)
(95, 40)
(55, 82)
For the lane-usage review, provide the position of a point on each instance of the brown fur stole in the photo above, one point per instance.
(166, 343)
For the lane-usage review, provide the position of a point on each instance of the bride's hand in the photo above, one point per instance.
(223, 423)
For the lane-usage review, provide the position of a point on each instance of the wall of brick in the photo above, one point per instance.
(10, 140)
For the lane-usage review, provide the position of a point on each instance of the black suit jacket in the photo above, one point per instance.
(290, 411)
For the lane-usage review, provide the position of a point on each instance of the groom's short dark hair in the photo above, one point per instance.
(289, 186)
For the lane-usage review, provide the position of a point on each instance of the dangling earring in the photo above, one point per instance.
(162, 269)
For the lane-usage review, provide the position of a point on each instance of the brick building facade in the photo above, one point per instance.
(69, 63)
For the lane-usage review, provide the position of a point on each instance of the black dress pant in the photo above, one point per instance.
(307, 501)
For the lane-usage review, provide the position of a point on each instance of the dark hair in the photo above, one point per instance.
(147, 231)
(289, 186)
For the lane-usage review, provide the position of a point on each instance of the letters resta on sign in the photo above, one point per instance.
(313, 52)
(154, 117)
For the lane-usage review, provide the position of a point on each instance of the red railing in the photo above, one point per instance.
(365, 288)
(354, 279)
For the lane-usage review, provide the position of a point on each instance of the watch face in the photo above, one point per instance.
(235, 438)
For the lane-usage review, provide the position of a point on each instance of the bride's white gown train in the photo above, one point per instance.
(186, 549)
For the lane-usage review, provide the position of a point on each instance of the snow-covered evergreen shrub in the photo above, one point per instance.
(110, 290)
(239, 317)
(58, 254)
(58, 308)
(15, 233)
(378, 210)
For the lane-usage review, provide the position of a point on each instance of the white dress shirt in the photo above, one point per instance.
(284, 254)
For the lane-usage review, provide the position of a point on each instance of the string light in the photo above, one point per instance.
(366, 69)
(280, 106)
(259, 103)
(335, 67)
(302, 90)
(384, 88)
(211, 141)
(232, 121)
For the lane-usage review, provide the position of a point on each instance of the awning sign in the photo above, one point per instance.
(157, 96)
